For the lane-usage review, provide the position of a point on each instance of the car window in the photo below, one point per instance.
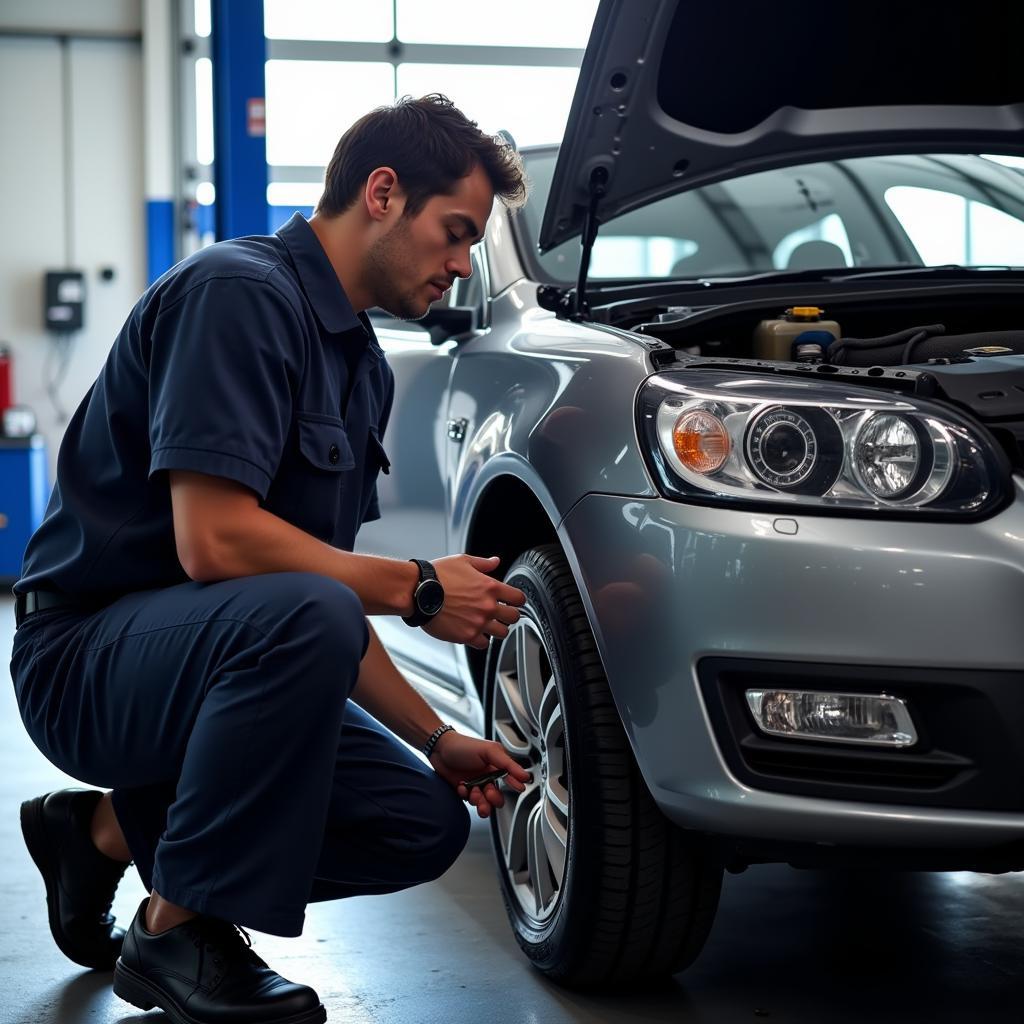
(644, 255)
(862, 212)
(949, 228)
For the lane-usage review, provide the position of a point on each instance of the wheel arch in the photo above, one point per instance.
(507, 519)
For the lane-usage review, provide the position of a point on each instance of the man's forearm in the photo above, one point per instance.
(259, 542)
(383, 692)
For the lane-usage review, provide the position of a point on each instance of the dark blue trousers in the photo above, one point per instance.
(245, 781)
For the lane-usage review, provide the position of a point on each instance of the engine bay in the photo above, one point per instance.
(879, 330)
(965, 347)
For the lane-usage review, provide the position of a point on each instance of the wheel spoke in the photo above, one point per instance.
(509, 695)
(516, 839)
(554, 728)
(537, 860)
(556, 839)
(554, 746)
(550, 709)
(511, 739)
(528, 672)
(557, 796)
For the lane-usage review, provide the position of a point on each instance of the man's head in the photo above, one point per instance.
(418, 178)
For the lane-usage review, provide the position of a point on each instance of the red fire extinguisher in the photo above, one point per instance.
(6, 370)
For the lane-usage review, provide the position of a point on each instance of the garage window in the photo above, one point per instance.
(354, 20)
(311, 102)
(492, 22)
(483, 93)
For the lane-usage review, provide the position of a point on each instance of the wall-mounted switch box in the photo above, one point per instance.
(64, 305)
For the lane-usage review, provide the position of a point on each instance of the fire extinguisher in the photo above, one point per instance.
(6, 370)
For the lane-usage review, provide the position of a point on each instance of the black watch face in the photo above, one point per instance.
(430, 597)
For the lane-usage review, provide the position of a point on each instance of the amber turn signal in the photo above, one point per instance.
(701, 441)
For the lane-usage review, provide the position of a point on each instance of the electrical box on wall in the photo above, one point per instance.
(64, 305)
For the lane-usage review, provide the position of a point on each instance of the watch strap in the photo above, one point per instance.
(427, 572)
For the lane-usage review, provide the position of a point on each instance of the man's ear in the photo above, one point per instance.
(382, 192)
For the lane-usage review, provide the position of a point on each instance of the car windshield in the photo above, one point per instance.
(921, 210)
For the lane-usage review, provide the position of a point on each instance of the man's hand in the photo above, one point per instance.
(476, 606)
(457, 757)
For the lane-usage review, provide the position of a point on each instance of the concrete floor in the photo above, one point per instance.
(795, 947)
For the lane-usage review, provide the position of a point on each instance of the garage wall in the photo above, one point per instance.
(113, 16)
(92, 220)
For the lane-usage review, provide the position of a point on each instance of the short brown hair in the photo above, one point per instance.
(430, 144)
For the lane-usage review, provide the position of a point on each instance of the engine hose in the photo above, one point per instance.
(920, 336)
(947, 346)
(836, 351)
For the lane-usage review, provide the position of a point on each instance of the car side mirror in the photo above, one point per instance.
(446, 322)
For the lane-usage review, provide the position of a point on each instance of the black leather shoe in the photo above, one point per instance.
(80, 881)
(204, 971)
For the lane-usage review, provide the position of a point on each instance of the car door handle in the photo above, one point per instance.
(457, 429)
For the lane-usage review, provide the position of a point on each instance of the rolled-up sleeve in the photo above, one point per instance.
(226, 359)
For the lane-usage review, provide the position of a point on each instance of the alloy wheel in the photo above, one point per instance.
(533, 826)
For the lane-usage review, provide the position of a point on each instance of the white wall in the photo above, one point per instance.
(107, 226)
(114, 16)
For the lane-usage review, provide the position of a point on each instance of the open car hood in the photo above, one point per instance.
(674, 94)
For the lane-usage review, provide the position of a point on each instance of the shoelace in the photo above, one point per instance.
(225, 940)
(116, 875)
(106, 874)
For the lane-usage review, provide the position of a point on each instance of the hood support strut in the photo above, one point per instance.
(598, 187)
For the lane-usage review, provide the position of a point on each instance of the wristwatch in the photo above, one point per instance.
(427, 598)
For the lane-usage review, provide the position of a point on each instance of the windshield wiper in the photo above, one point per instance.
(941, 270)
(790, 276)
(841, 274)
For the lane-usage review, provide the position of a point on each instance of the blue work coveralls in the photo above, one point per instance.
(245, 781)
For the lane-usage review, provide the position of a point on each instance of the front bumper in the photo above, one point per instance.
(672, 588)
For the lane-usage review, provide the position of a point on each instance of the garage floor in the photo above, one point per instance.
(799, 947)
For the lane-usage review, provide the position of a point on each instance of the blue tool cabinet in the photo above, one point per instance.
(24, 491)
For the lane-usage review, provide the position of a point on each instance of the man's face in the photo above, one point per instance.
(416, 261)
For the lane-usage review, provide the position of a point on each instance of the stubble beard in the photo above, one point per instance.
(387, 263)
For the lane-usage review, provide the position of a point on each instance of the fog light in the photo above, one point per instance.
(837, 717)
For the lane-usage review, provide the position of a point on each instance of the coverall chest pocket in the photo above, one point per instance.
(326, 465)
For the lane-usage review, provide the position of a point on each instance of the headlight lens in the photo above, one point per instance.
(716, 436)
(887, 455)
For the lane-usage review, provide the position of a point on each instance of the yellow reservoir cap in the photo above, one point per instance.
(805, 311)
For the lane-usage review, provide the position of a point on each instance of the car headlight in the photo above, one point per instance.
(714, 436)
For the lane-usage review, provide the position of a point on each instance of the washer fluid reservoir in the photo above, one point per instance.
(774, 339)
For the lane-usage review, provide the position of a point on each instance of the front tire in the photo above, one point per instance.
(601, 890)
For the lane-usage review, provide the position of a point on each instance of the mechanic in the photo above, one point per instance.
(191, 617)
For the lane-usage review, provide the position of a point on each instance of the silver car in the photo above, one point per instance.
(738, 398)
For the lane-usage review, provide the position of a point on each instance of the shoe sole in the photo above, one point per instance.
(135, 989)
(34, 831)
